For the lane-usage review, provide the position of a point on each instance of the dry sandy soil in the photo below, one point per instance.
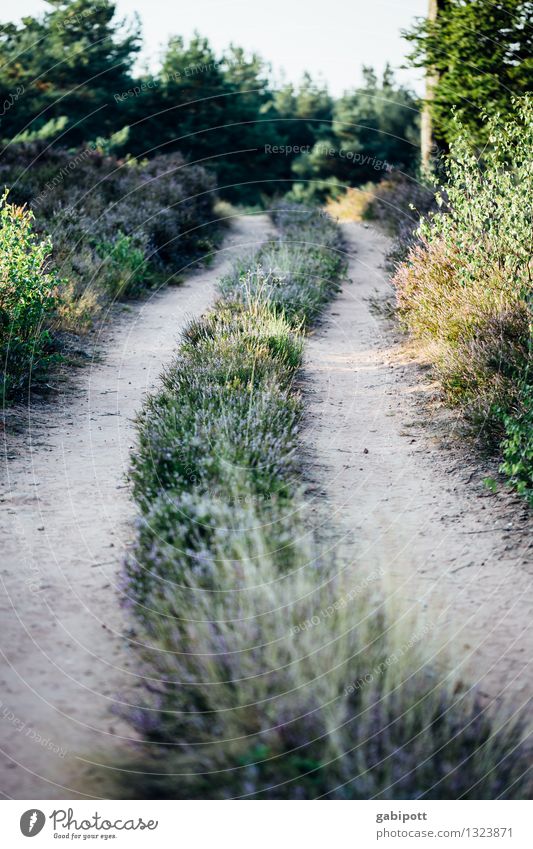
(67, 658)
(407, 494)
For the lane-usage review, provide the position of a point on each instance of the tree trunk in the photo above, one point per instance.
(432, 79)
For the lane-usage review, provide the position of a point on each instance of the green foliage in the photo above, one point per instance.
(118, 225)
(381, 120)
(374, 130)
(67, 62)
(51, 130)
(67, 76)
(398, 203)
(483, 54)
(296, 275)
(125, 265)
(517, 445)
(214, 109)
(28, 300)
(465, 289)
(306, 111)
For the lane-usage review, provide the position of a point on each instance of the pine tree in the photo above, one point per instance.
(480, 54)
(68, 63)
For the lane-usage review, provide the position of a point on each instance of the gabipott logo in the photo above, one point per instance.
(32, 822)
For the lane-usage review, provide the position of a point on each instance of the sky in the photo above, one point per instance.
(331, 40)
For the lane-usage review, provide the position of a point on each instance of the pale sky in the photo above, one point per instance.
(331, 39)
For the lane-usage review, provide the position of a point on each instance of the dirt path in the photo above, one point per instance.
(65, 523)
(406, 493)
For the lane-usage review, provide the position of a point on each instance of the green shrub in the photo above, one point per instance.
(125, 266)
(398, 203)
(146, 219)
(187, 539)
(517, 446)
(28, 300)
(297, 274)
(225, 412)
(480, 55)
(464, 291)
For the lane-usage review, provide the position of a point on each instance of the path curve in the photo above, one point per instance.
(407, 493)
(65, 524)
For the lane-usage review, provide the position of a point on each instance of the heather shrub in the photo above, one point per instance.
(188, 536)
(517, 445)
(293, 684)
(464, 290)
(225, 411)
(147, 218)
(28, 300)
(234, 428)
(297, 274)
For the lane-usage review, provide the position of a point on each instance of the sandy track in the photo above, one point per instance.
(407, 496)
(65, 523)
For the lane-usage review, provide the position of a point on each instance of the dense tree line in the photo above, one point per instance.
(70, 76)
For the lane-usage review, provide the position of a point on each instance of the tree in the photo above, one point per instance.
(248, 170)
(180, 107)
(426, 129)
(67, 63)
(480, 54)
(307, 110)
(214, 109)
(374, 129)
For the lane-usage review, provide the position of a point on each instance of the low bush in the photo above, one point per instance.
(464, 290)
(296, 275)
(352, 204)
(517, 444)
(125, 267)
(272, 672)
(286, 684)
(117, 226)
(398, 203)
(28, 300)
